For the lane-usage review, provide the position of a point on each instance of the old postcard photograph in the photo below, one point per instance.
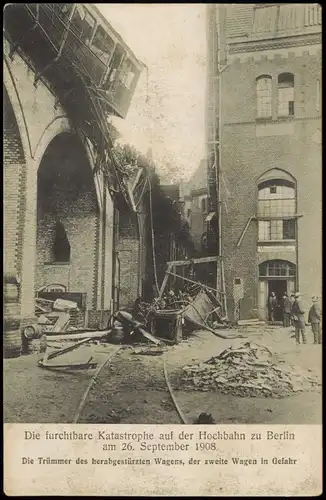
(162, 249)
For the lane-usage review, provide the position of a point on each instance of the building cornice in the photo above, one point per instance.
(274, 43)
(262, 122)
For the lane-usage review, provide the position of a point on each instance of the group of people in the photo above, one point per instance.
(293, 314)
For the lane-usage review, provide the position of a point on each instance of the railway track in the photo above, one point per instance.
(132, 389)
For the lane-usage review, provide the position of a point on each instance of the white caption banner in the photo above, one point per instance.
(209, 460)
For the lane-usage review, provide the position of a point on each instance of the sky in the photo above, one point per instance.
(170, 39)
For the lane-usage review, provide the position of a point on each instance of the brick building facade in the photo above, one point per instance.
(270, 157)
(194, 199)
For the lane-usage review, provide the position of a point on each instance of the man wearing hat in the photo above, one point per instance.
(286, 310)
(272, 305)
(314, 320)
(298, 318)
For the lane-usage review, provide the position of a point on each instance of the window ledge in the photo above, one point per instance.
(276, 242)
(264, 119)
(57, 263)
(287, 118)
(277, 217)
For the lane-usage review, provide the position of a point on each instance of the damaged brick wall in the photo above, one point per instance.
(128, 246)
(66, 196)
(13, 203)
(14, 183)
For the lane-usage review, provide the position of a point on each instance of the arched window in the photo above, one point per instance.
(264, 96)
(285, 94)
(61, 246)
(276, 210)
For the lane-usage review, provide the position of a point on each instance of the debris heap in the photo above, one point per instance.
(247, 370)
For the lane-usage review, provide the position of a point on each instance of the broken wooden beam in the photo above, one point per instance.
(67, 349)
(217, 334)
(150, 337)
(166, 277)
(195, 282)
(82, 335)
(200, 260)
(248, 321)
(72, 366)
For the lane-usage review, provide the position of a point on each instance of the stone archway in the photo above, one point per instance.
(68, 218)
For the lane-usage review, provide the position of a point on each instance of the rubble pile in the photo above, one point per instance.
(247, 370)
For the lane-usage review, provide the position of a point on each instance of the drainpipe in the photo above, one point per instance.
(103, 247)
(114, 258)
(119, 277)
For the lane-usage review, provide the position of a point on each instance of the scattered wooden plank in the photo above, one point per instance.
(149, 336)
(71, 366)
(248, 321)
(39, 299)
(41, 308)
(194, 282)
(66, 349)
(75, 336)
(166, 277)
(200, 260)
(217, 334)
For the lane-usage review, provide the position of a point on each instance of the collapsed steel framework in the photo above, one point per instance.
(91, 70)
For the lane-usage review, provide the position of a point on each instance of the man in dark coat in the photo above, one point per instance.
(297, 313)
(286, 310)
(314, 319)
(272, 305)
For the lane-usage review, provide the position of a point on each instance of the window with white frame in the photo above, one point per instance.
(82, 23)
(102, 44)
(264, 96)
(277, 268)
(285, 94)
(276, 208)
(127, 73)
(276, 230)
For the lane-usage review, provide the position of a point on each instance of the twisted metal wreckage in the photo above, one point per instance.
(92, 85)
(88, 83)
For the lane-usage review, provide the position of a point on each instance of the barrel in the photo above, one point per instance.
(33, 331)
(12, 339)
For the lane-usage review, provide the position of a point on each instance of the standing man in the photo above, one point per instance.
(272, 305)
(291, 300)
(314, 320)
(286, 310)
(298, 318)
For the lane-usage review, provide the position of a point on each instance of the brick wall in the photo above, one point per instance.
(37, 110)
(66, 194)
(250, 149)
(197, 220)
(80, 221)
(128, 247)
(14, 183)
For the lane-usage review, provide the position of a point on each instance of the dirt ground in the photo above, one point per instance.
(32, 394)
(131, 388)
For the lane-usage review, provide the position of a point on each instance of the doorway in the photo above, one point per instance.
(279, 287)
